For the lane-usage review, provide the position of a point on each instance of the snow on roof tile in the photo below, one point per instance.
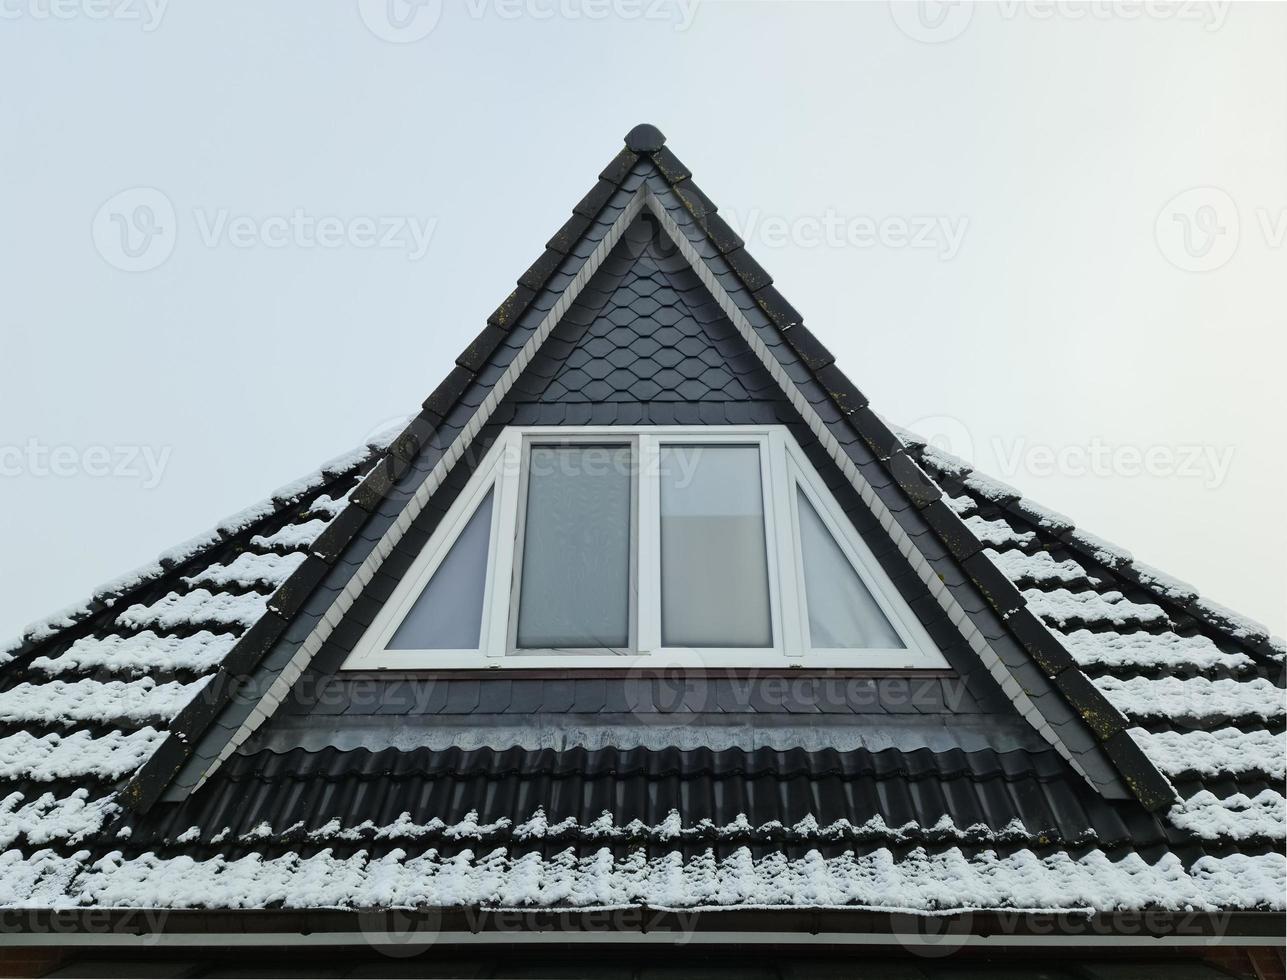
(1194, 697)
(1039, 568)
(919, 881)
(199, 607)
(672, 828)
(1060, 607)
(998, 533)
(249, 569)
(141, 653)
(1214, 754)
(50, 818)
(76, 755)
(292, 535)
(1238, 816)
(61, 702)
(1144, 651)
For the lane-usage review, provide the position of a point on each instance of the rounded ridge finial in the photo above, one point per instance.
(645, 138)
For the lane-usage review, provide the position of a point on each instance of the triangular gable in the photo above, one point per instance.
(1030, 666)
(356, 541)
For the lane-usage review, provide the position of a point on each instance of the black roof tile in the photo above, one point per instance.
(916, 789)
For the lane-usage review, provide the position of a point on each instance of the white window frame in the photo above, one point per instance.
(783, 466)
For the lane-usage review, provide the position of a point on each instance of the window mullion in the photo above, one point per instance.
(496, 638)
(649, 550)
(785, 532)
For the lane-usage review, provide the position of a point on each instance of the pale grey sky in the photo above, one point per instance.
(1055, 237)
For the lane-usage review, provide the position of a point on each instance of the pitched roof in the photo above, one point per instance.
(1116, 688)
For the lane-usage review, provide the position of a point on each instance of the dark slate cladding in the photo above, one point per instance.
(647, 331)
(763, 694)
(913, 794)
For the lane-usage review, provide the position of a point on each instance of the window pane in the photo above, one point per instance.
(714, 566)
(575, 589)
(842, 613)
(449, 613)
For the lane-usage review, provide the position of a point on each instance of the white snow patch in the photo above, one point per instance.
(1104, 552)
(102, 701)
(944, 462)
(1223, 752)
(1194, 697)
(1059, 607)
(1149, 650)
(1167, 585)
(249, 569)
(1039, 567)
(998, 533)
(41, 880)
(43, 629)
(292, 536)
(78, 755)
(962, 506)
(48, 818)
(1044, 517)
(916, 882)
(990, 488)
(141, 653)
(331, 506)
(605, 826)
(1242, 627)
(199, 607)
(1238, 816)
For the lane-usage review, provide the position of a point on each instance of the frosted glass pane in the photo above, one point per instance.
(575, 589)
(842, 613)
(714, 563)
(448, 615)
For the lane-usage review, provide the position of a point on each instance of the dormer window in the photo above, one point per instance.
(576, 547)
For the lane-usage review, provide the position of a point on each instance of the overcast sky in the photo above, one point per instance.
(236, 238)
